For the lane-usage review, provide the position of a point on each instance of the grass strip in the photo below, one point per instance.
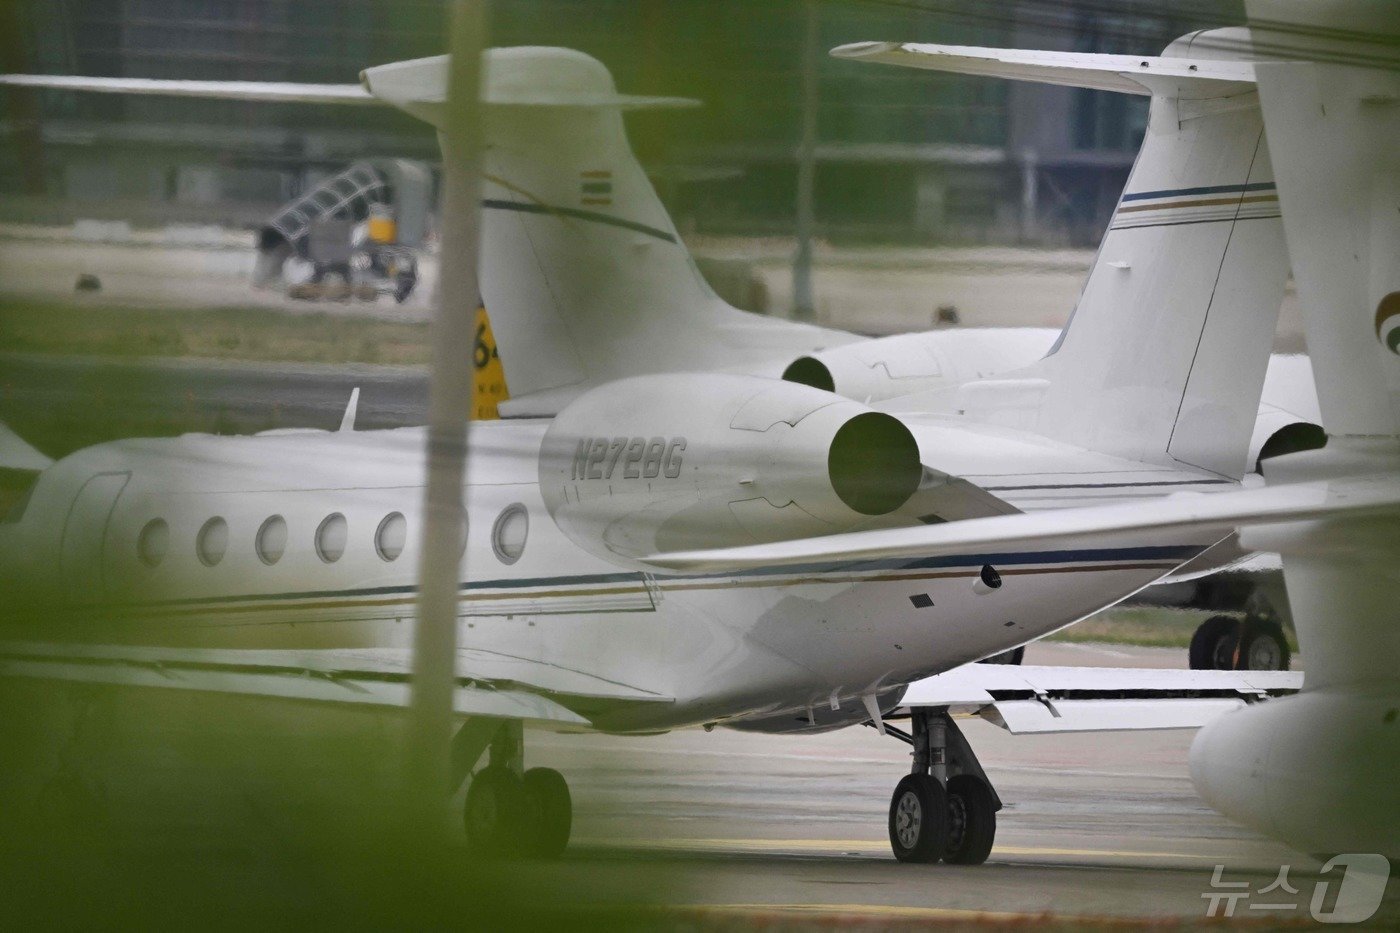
(238, 334)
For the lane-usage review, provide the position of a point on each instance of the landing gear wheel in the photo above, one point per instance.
(1264, 648)
(972, 821)
(1213, 644)
(493, 811)
(918, 819)
(551, 812)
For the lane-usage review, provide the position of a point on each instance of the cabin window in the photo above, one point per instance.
(153, 542)
(331, 535)
(391, 536)
(271, 541)
(509, 533)
(212, 542)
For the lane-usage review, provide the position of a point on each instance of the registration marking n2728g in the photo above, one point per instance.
(628, 458)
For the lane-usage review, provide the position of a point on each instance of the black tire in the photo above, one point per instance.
(494, 812)
(1264, 648)
(1214, 643)
(918, 819)
(551, 812)
(972, 821)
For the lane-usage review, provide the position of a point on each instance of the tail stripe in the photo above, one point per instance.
(1208, 204)
(1199, 220)
(1209, 189)
(1199, 202)
(593, 216)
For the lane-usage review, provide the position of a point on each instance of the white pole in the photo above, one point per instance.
(449, 408)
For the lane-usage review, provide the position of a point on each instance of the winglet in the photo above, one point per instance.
(352, 408)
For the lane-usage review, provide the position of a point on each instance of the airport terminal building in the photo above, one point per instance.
(900, 156)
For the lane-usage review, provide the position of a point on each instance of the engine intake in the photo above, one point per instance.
(891, 367)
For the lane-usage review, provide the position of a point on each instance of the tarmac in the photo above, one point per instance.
(867, 290)
(224, 797)
(1094, 826)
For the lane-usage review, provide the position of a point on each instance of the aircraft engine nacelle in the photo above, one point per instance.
(665, 462)
(890, 367)
(1316, 770)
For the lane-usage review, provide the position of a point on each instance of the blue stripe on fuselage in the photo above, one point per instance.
(1097, 555)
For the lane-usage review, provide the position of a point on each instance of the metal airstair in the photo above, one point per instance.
(318, 227)
(346, 196)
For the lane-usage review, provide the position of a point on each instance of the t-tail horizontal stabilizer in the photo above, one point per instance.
(268, 92)
(1127, 74)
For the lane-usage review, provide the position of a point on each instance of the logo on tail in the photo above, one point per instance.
(595, 188)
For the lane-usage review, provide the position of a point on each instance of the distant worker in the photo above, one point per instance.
(387, 259)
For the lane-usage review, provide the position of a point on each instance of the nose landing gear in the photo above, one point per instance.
(945, 808)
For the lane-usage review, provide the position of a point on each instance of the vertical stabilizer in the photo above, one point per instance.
(1163, 359)
(1334, 119)
(582, 271)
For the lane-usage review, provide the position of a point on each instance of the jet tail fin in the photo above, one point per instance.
(1164, 356)
(582, 270)
(1334, 118)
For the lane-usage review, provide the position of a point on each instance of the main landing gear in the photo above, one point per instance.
(1225, 643)
(509, 811)
(945, 808)
(1245, 631)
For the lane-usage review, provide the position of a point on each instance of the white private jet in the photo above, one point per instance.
(662, 531)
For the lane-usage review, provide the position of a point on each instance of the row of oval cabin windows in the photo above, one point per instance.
(508, 536)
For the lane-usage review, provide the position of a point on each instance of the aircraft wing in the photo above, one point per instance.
(1207, 516)
(1128, 74)
(1030, 699)
(499, 686)
(264, 91)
